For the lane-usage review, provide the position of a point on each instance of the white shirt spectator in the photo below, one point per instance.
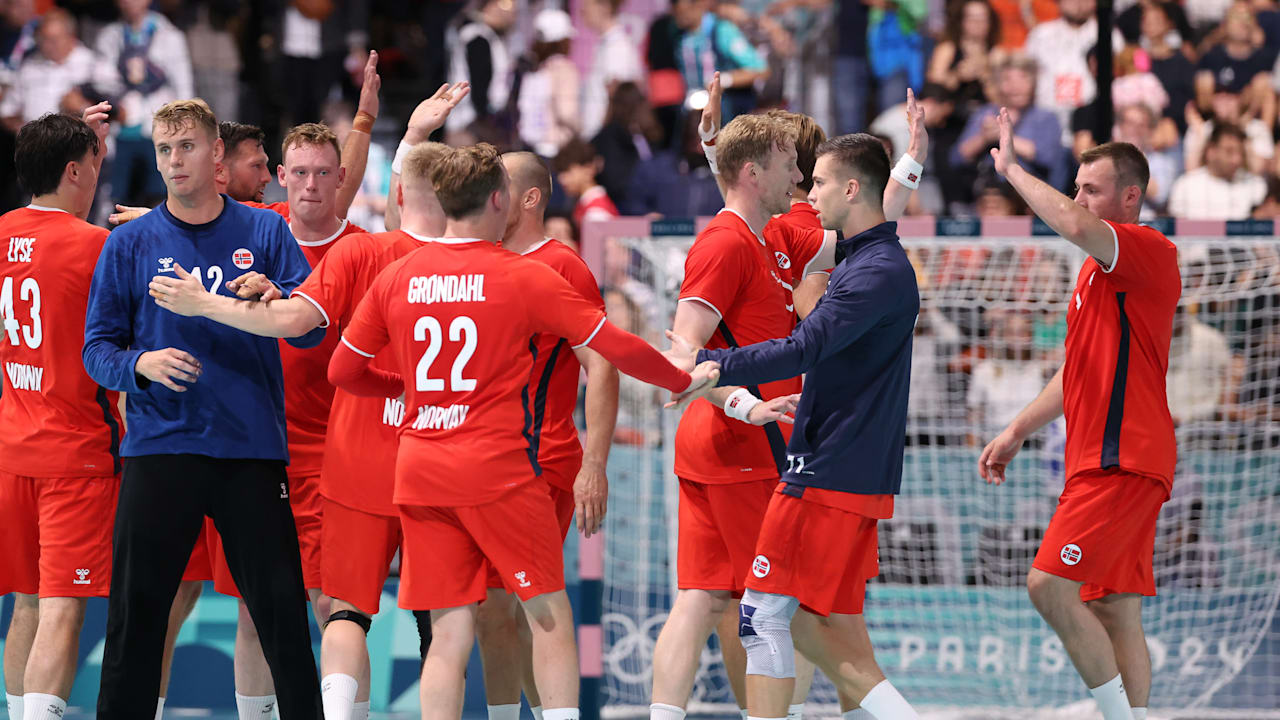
(1064, 82)
(1000, 389)
(1201, 195)
(41, 84)
(1199, 363)
(616, 60)
(1260, 149)
(167, 51)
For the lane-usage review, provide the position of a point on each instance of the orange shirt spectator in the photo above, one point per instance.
(1013, 22)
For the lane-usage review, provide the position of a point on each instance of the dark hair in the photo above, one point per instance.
(1223, 129)
(45, 146)
(1130, 164)
(865, 157)
(543, 51)
(234, 133)
(955, 23)
(465, 177)
(575, 152)
(629, 108)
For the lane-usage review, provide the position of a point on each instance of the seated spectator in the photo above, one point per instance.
(1199, 370)
(150, 66)
(1205, 15)
(548, 101)
(576, 168)
(616, 60)
(1136, 124)
(962, 61)
(1239, 65)
(1134, 83)
(675, 182)
(1222, 189)
(709, 43)
(631, 134)
(1129, 20)
(998, 199)
(1227, 107)
(1269, 208)
(895, 48)
(1019, 17)
(1010, 377)
(61, 65)
(1059, 48)
(562, 228)
(666, 89)
(1169, 63)
(18, 23)
(1037, 136)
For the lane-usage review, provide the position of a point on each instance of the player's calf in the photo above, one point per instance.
(344, 660)
(17, 648)
(443, 674)
(555, 654)
(500, 653)
(51, 667)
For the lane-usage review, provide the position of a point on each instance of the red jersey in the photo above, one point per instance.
(594, 205)
(280, 208)
(1119, 325)
(54, 420)
(747, 280)
(554, 380)
(360, 455)
(307, 392)
(459, 318)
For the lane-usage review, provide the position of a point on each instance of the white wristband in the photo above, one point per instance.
(710, 152)
(397, 161)
(907, 172)
(739, 405)
(707, 135)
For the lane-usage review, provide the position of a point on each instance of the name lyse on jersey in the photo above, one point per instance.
(20, 249)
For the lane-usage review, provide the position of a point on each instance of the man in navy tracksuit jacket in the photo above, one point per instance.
(206, 425)
(817, 545)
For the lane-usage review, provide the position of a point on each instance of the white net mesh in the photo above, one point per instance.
(949, 615)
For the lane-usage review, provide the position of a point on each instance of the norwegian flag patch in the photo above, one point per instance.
(242, 259)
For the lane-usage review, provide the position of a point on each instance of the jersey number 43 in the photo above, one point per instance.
(28, 291)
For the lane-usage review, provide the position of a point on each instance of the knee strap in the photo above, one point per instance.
(764, 624)
(364, 621)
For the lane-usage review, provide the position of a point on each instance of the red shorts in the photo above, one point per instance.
(820, 555)
(564, 505)
(305, 502)
(719, 524)
(448, 550)
(358, 548)
(55, 535)
(1103, 533)
(199, 567)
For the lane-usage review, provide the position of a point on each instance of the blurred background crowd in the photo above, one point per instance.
(607, 90)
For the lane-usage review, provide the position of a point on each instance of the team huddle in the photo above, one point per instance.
(304, 400)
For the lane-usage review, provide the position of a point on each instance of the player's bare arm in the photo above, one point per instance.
(591, 487)
(279, 318)
(355, 151)
(1065, 216)
(694, 324)
(426, 118)
(896, 194)
(998, 453)
(683, 354)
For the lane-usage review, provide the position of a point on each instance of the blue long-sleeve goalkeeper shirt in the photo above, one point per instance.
(236, 408)
(856, 350)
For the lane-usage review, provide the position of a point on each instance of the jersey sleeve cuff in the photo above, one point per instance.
(704, 301)
(593, 334)
(1115, 255)
(317, 305)
(355, 349)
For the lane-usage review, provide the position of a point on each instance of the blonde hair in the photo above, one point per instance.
(173, 116)
(310, 134)
(415, 169)
(465, 177)
(750, 138)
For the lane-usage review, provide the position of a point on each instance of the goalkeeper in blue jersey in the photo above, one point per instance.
(206, 425)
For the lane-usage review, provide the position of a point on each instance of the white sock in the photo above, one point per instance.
(39, 706)
(1112, 700)
(560, 714)
(256, 707)
(504, 712)
(14, 702)
(858, 714)
(658, 711)
(884, 702)
(360, 711)
(1139, 713)
(537, 712)
(795, 711)
(338, 696)
(159, 708)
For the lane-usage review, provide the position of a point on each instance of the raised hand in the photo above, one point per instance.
(370, 86)
(780, 409)
(167, 367)
(1004, 154)
(709, 126)
(95, 116)
(431, 113)
(254, 286)
(997, 455)
(918, 145)
(125, 213)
